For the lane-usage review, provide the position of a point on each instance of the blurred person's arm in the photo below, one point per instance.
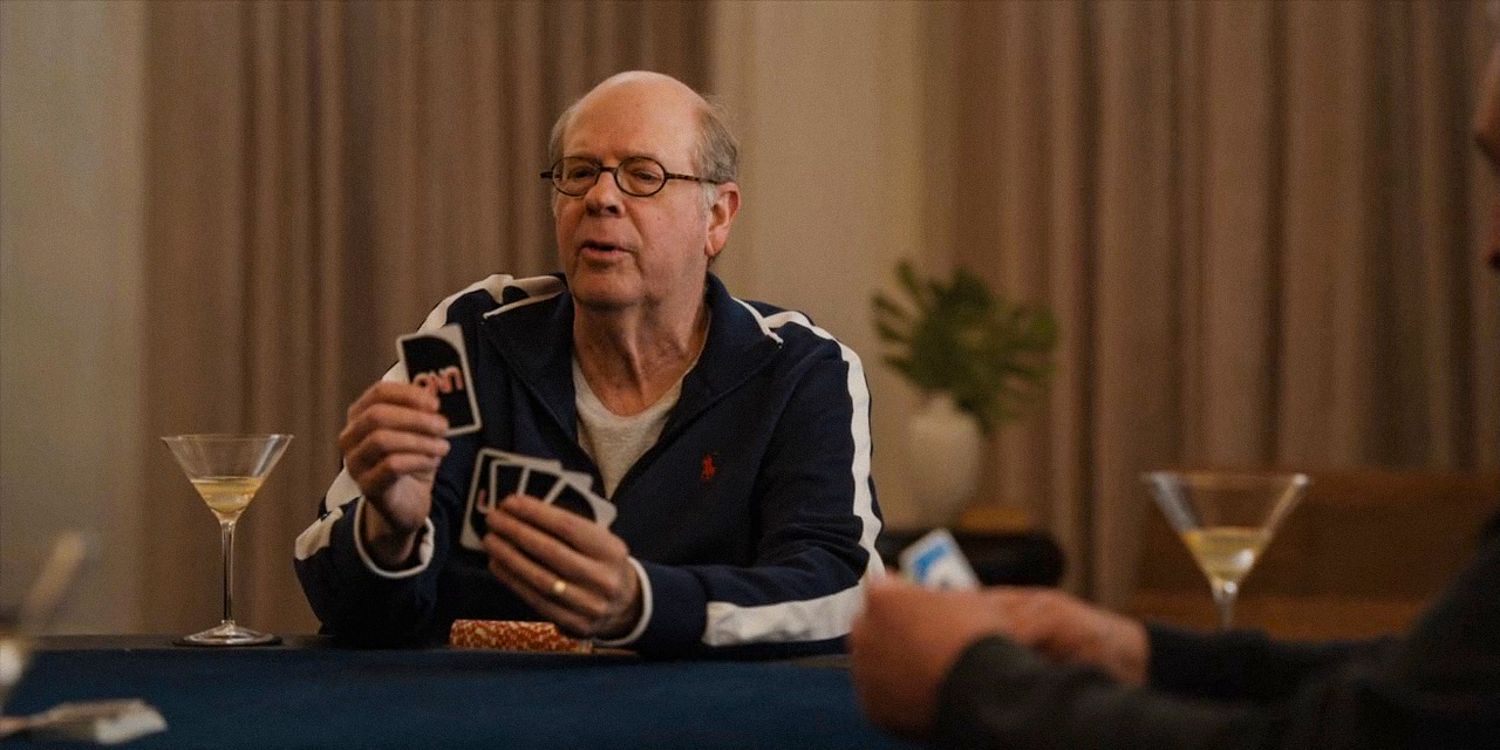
(931, 664)
(1243, 664)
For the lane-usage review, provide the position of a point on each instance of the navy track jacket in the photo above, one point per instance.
(752, 519)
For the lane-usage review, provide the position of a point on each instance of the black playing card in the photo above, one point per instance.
(539, 482)
(437, 361)
(570, 498)
(505, 479)
(481, 494)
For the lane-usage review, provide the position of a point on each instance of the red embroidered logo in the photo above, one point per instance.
(709, 469)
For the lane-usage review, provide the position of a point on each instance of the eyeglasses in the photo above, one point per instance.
(640, 176)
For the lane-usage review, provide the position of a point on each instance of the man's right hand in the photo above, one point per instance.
(392, 444)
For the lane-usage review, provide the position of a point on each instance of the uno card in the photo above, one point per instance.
(936, 562)
(576, 493)
(506, 479)
(539, 484)
(481, 499)
(481, 494)
(544, 479)
(513, 473)
(437, 361)
(586, 503)
(581, 480)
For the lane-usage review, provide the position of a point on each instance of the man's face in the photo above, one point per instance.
(621, 251)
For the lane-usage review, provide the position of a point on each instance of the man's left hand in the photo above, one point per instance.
(908, 638)
(569, 569)
(903, 644)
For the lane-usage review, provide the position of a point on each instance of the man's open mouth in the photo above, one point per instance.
(600, 246)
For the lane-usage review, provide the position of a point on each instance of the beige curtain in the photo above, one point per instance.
(320, 175)
(1259, 224)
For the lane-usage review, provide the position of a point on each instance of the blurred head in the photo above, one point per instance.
(622, 250)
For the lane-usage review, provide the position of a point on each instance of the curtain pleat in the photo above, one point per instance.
(195, 311)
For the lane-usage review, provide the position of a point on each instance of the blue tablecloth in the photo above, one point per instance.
(333, 697)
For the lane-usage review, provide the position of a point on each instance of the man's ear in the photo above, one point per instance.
(721, 216)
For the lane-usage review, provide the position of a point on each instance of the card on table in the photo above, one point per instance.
(436, 360)
(936, 562)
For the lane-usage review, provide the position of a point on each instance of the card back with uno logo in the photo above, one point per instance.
(437, 361)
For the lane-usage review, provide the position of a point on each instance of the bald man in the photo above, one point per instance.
(732, 437)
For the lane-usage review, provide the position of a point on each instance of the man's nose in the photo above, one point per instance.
(605, 196)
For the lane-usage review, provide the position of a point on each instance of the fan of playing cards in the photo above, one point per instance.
(437, 360)
(508, 474)
(498, 475)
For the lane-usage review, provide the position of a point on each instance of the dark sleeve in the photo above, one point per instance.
(1439, 687)
(1244, 664)
(1001, 695)
(352, 596)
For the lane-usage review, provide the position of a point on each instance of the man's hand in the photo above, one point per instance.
(569, 569)
(904, 643)
(1070, 631)
(392, 444)
(907, 639)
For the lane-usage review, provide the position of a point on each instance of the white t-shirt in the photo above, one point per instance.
(615, 442)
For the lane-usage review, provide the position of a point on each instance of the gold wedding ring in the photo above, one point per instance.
(559, 587)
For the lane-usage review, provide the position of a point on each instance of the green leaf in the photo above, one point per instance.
(889, 333)
(913, 286)
(888, 306)
(957, 337)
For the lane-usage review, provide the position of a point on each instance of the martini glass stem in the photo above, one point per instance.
(1224, 594)
(226, 536)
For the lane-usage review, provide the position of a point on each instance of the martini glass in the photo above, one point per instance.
(1226, 519)
(226, 470)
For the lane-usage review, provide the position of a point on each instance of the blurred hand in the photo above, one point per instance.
(1070, 631)
(904, 643)
(908, 638)
(392, 443)
(533, 546)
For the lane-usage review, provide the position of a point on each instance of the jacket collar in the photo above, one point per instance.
(536, 339)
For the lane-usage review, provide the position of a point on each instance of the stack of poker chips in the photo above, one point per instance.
(514, 635)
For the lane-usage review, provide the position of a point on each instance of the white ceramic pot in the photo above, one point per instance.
(943, 449)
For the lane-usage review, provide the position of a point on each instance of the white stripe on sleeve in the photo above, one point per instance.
(828, 616)
(319, 535)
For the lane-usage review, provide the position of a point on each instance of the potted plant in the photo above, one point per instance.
(979, 361)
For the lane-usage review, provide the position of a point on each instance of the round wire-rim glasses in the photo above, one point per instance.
(639, 176)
